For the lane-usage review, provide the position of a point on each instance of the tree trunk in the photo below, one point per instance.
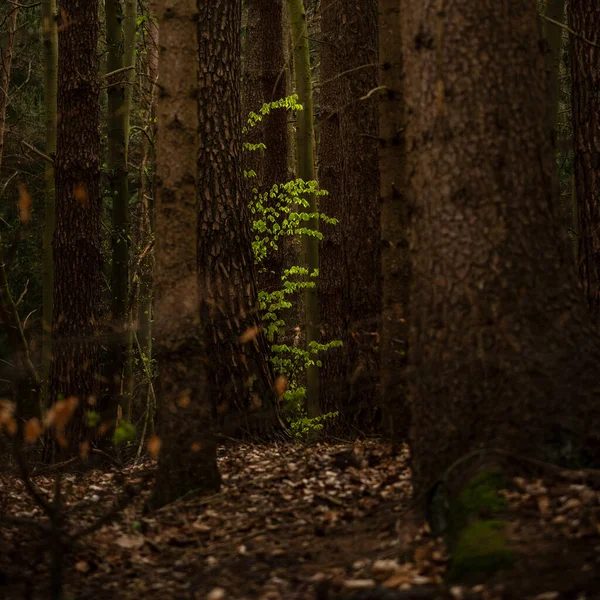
(7, 56)
(142, 276)
(188, 456)
(74, 369)
(585, 76)
(305, 164)
(50, 36)
(553, 34)
(350, 278)
(118, 125)
(395, 260)
(264, 80)
(242, 387)
(501, 350)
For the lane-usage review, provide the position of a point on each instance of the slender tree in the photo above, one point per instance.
(305, 166)
(585, 76)
(553, 34)
(395, 261)
(350, 274)
(264, 80)
(118, 126)
(188, 457)
(74, 369)
(7, 56)
(501, 350)
(50, 35)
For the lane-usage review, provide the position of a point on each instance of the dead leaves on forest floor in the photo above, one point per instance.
(294, 522)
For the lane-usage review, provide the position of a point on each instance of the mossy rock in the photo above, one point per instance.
(477, 534)
(481, 549)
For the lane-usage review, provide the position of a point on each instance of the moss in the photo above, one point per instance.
(478, 499)
(477, 536)
(481, 549)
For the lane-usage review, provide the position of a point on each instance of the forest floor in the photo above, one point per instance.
(323, 522)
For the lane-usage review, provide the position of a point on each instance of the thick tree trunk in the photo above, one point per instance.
(501, 350)
(305, 166)
(242, 390)
(350, 275)
(395, 261)
(585, 76)
(50, 36)
(74, 369)
(188, 455)
(6, 66)
(264, 80)
(118, 126)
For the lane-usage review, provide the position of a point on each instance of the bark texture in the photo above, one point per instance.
(350, 275)
(585, 77)
(50, 36)
(264, 80)
(243, 398)
(395, 260)
(501, 349)
(188, 456)
(305, 167)
(77, 245)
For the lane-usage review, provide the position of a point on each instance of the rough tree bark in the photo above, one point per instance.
(188, 456)
(501, 349)
(74, 369)
(243, 397)
(350, 278)
(585, 77)
(305, 167)
(50, 36)
(395, 261)
(264, 80)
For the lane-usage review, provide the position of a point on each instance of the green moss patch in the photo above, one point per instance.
(477, 535)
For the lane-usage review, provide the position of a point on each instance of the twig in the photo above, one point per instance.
(571, 31)
(38, 152)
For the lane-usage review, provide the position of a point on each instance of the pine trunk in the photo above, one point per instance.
(585, 76)
(74, 370)
(243, 398)
(264, 81)
(50, 36)
(305, 167)
(553, 34)
(188, 455)
(395, 260)
(501, 350)
(349, 276)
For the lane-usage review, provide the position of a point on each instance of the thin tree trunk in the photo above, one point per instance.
(553, 34)
(264, 81)
(242, 387)
(585, 76)
(129, 59)
(118, 126)
(74, 370)
(350, 274)
(50, 36)
(188, 456)
(7, 56)
(501, 349)
(395, 260)
(306, 170)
